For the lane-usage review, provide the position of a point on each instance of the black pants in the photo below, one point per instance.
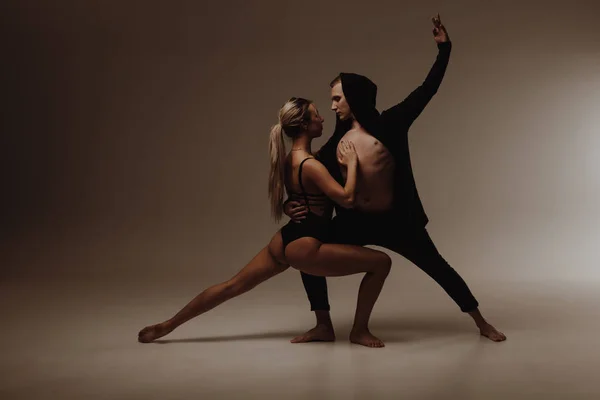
(413, 243)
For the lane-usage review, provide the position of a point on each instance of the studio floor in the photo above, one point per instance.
(77, 339)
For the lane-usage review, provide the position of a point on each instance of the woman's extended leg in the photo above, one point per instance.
(269, 262)
(312, 257)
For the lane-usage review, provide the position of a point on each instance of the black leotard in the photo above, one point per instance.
(314, 225)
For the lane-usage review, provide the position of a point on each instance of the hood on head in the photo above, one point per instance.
(361, 95)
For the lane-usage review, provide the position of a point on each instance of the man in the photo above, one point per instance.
(388, 210)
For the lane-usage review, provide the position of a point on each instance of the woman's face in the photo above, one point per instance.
(315, 126)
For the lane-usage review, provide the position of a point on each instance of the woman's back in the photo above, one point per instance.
(301, 188)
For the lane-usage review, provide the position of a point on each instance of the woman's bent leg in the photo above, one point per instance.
(311, 256)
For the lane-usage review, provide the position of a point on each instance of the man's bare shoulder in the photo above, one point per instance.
(357, 134)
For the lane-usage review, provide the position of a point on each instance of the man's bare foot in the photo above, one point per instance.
(320, 333)
(365, 338)
(153, 332)
(491, 333)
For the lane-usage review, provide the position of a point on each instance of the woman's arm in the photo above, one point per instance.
(319, 176)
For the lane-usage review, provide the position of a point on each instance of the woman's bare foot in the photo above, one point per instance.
(153, 332)
(320, 333)
(491, 333)
(365, 338)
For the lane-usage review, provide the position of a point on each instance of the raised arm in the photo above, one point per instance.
(409, 109)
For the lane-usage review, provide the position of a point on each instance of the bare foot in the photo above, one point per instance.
(491, 333)
(153, 332)
(365, 338)
(320, 333)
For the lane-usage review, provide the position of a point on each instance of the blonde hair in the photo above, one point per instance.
(293, 117)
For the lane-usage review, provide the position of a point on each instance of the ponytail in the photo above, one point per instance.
(276, 173)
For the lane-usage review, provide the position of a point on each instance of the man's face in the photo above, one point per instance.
(339, 104)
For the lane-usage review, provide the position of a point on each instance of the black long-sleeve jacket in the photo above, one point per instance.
(391, 128)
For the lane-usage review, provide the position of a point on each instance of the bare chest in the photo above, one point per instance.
(373, 156)
(374, 184)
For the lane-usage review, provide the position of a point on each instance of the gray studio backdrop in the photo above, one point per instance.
(136, 132)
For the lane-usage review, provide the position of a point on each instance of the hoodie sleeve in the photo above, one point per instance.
(327, 154)
(405, 113)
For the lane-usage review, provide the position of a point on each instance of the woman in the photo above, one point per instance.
(303, 244)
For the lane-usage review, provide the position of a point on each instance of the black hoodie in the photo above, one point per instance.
(391, 129)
